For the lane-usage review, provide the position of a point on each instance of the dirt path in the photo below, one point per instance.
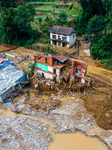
(99, 103)
(95, 69)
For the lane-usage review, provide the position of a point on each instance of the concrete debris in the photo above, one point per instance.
(29, 132)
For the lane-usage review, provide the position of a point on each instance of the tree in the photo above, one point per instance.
(107, 5)
(16, 25)
(93, 6)
(96, 25)
(7, 25)
(62, 19)
(45, 27)
(24, 15)
(101, 47)
(90, 8)
(8, 3)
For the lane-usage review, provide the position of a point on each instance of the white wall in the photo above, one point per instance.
(71, 40)
(50, 69)
(50, 35)
(47, 75)
(57, 72)
(58, 35)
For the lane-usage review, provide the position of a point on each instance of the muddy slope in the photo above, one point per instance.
(99, 104)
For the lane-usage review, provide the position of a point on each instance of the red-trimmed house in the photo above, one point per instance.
(51, 66)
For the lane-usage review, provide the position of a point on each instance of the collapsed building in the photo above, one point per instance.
(11, 79)
(58, 67)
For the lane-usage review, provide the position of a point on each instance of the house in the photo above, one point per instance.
(62, 36)
(56, 66)
(11, 79)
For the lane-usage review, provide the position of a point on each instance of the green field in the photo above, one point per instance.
(44, 9)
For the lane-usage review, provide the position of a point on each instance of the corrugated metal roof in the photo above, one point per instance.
(8, 76)
(62, 30)
(60, 58)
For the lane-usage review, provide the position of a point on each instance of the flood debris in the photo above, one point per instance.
(46, 105)
(27, 57)
(57, 72)
(36, 128)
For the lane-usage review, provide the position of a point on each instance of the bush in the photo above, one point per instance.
(107, 63)
(37, 46)
(44, 40)
(101, 47)
(31, 66)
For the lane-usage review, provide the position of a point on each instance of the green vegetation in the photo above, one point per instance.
(95, 20)
(71, 6)
(30, 22)
(20, 25)
(31, 67)
(62, 19)
(15, 27)
(107, 63)
(7, 3)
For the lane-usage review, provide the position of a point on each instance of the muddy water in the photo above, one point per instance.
(75, 141)
(31, 93)
(67, 98)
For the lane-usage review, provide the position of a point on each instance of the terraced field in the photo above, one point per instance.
(44, 9)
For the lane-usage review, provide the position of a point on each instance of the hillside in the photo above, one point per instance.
(19, 1)
(48, 9)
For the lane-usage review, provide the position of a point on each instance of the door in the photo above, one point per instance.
(64, 44)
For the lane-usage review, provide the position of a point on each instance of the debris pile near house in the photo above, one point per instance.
(46, 105)
(43, 84)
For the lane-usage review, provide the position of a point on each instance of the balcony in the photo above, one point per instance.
(62, 41)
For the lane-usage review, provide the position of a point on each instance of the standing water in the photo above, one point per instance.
(76, 141)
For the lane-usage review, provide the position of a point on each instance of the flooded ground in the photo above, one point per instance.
(36, 129)
(77, 141)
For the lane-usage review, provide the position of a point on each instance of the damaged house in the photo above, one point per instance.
(11, 79)
(59, 67)
(62, 36)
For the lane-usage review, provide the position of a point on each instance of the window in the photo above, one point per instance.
(78, 71)
(54, 71)
(59, 37)
(43, 75)
(46, 60)
(59, 43)
(65, 38)
(54, 36)
(74, 37)
(40, 58)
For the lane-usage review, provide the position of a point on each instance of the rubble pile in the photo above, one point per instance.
(73, 117)
(40, 103)
(23, 133)
(20, 132)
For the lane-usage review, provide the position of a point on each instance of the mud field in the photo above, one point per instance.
(41, 115)
(34, 129)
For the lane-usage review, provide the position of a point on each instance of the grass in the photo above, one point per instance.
(44, 9)
(41, 3)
